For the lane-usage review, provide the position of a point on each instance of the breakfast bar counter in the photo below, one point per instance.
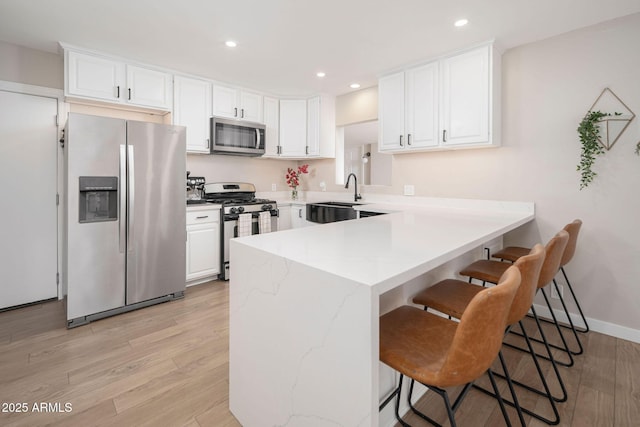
(304, 305)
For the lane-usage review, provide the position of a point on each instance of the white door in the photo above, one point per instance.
(28, 230)
(293, 127)
(95, 77)
(149, 88)
(251, 107)
(465, 98)
(192, 108)
(422, 106)
(225, 102)
(391, 104)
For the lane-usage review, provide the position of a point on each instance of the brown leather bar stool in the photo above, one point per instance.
(490, 271)
(452, 296)
(512, 253)
(440, 353)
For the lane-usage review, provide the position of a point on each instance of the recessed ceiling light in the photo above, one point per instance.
(354, 85)
(461, 22)
(320, 74)
(231, 43)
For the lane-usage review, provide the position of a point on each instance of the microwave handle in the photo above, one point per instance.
(258, 139)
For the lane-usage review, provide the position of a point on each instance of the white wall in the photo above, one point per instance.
(547, 88)
(29, 66)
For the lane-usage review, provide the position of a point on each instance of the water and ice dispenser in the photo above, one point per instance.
(98, 200)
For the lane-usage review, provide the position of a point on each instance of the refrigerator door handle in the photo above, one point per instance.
(122, 231)
(131, 190)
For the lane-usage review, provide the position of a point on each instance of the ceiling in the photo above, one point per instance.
(282, 44)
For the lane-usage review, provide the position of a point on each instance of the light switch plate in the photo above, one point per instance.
(409, 190)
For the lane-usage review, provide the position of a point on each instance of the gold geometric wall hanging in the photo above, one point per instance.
(616, 122)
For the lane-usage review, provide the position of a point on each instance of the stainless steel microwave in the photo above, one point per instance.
(236, 137)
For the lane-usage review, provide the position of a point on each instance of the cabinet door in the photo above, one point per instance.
(465, 98)
(225, 102)
(203, 250)
(284, 218)
(293, 128)
(95, 77)
(272, 123)
(251, 107)
(313, 126)
(299, 216)
(422, 106)
(192, 108)
(391, 104)
(148, 88)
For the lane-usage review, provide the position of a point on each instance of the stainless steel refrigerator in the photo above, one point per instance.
(126, 231)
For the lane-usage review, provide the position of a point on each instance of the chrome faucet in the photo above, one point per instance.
(356, 196)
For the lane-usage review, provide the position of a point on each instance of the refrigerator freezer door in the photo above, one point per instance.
(95, 264)
(156, 209)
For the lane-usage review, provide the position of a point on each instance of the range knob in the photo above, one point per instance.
(267, 207)
(241, 209)
(192, 181)
(233, 210)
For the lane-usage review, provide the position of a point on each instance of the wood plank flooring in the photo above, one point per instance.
(167, 365)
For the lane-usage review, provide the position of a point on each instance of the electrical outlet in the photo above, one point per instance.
(409, 190)
(554, 292)
(274, 187)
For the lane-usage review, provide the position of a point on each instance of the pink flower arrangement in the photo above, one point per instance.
(293, 176)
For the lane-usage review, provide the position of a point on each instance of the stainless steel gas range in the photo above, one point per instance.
(241, 214)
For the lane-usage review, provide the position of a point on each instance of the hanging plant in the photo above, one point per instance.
(589, 132)
(638, 148)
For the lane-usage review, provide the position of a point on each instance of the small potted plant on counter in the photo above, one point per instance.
(293, 179)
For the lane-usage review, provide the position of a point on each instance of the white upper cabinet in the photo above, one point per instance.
(307, 128)
(391, 113)
(293, 128)
(272, 126)
(149, 88)
(98, 78)
(313, 126)
(192, 108)
(94, 77)
(449, 103)
(466, 100)
(237, 104)
(421, 119)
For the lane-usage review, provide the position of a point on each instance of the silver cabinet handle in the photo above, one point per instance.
(299, 213)
(444, 135)
(409, 139)
(202, 217)
(235, 112)
(401, 144)
(242, 113)
(129, 94)
(118, 92)
(208, 142)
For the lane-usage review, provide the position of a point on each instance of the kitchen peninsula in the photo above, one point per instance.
(305, 303)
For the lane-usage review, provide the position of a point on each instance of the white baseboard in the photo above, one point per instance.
(596, 325)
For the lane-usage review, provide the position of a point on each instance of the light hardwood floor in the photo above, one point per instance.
(167, 365)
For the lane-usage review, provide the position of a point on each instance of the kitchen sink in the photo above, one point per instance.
(324, 212)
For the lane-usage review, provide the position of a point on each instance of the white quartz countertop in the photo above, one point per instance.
(387, 250)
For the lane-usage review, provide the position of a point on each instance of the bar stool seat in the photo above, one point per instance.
(485, 270)
(511, 253)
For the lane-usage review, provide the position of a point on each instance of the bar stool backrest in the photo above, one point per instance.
(554, 250)
(479, 334)
(529, 266)
(573, 228)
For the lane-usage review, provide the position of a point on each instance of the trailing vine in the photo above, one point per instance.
(638, 148)
(589, 132)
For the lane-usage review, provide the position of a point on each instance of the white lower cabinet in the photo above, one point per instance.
(203, 243)
(299, 216)
(284, 218)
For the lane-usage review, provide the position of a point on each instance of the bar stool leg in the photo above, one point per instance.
(573, 295)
